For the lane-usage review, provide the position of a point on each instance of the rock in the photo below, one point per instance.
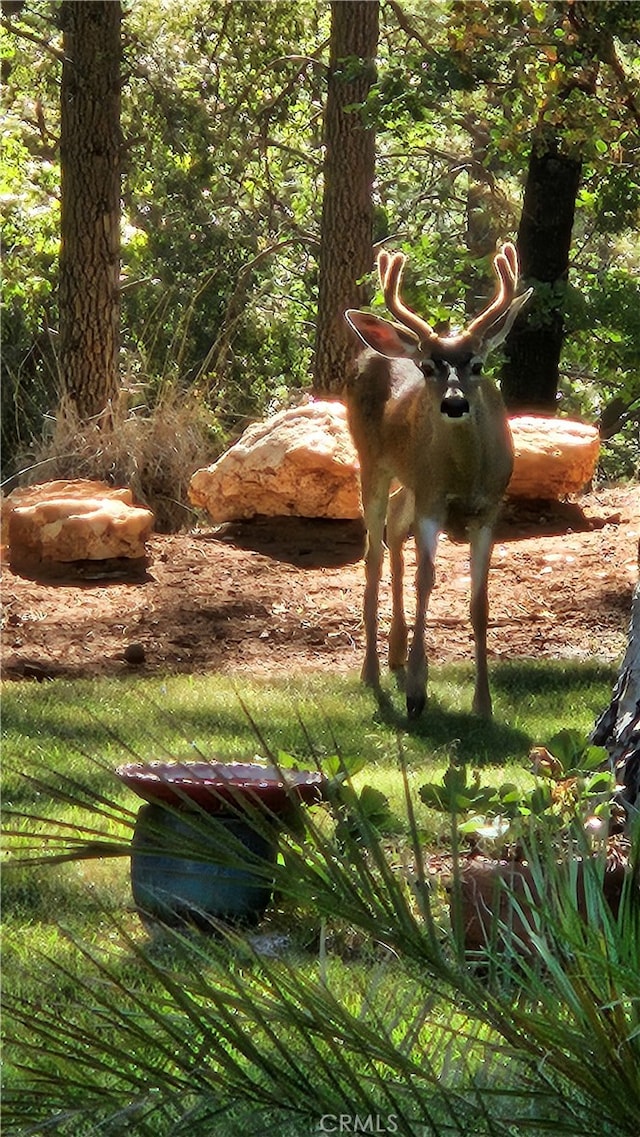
(78, 528)
(554, 457)
(134, 654)
(301, 462)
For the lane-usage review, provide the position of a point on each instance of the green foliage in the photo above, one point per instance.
(571, 789)
(222, 126)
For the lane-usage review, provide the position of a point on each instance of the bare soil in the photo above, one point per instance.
(284, 596)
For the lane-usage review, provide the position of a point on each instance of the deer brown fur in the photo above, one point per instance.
(422, 414)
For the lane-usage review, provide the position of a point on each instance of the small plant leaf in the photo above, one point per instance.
(340, 766)
(568, 747)
(593, 757)
(540, 799)
(374, 805)
(601, 782)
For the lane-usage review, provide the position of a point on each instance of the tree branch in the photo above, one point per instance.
(629, 96)
(24, 33)
(406, 25)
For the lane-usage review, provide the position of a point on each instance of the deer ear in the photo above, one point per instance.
(498, 332)
(391, 340)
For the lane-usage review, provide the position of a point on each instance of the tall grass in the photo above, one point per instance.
(153, 447)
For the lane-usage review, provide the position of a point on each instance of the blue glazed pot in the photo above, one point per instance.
(203, 846)
(225, 880)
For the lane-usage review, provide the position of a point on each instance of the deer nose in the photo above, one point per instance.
(454, 403)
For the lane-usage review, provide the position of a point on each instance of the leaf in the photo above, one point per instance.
(567, 746)
(593, 757)
(455, 778)
(540, 799)
(373, 804)
(340, 767)
(435, 796)
(602, 782)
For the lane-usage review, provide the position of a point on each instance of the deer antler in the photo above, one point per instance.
(505, 265)
(390, 266)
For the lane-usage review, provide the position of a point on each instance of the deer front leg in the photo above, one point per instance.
(399, 520)
(481, 549)
(427, 534)
(374, 497)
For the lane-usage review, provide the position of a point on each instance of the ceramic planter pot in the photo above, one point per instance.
(486, 909)
(175, 888)
(186, 868)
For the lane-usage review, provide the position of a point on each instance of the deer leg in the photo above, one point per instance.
(399, 520)
(481, 548)
(427, 534)
(374, 498)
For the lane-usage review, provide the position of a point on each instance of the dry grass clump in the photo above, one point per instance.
(152, 449)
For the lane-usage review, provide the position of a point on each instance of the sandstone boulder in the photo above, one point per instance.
(554, 457)
(301, 463)
(76, 528)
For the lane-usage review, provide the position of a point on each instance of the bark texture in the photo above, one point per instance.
(89, 295)
(618, 728)
(533, 347)
(346, 232)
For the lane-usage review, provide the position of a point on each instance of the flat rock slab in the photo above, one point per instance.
(76, 529)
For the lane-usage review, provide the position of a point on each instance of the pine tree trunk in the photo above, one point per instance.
(346, 231)
(89, 297)
(533, 347)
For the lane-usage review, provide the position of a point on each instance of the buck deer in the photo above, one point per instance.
(421, 413)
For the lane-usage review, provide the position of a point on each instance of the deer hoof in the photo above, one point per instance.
(370, 675)
(400, 676)
(482, 708)
(415, 706)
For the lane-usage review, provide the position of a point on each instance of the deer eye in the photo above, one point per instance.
(476, 366)
(428, 368)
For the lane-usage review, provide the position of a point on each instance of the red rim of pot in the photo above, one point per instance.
(214, 786)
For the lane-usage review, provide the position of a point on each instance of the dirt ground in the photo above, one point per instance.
(283, 596)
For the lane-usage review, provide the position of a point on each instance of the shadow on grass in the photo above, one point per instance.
(526, 677)
(474, 739)
(83, 732)
(49, 894)
(529, 685)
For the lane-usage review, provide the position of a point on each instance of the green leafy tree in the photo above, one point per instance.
(585, 42)
(223, 234)
(481, 93)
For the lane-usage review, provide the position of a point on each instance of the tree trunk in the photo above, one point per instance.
(618, 727)
(530, 372)
(346, 230)
(89, 296)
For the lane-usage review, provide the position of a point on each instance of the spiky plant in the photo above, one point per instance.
(199, 1034)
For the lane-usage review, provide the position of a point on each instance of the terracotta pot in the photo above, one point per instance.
(486, 907)
(214, 786)
(185, 871)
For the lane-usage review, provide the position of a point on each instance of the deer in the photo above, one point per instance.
(436, 455)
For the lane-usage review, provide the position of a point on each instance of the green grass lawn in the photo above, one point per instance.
(70, 930)
(83, 729)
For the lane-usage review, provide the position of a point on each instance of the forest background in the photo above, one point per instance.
(490, 121)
